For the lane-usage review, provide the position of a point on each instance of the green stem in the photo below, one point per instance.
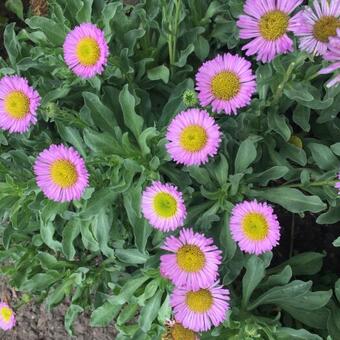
(286, 77)
(176, 23)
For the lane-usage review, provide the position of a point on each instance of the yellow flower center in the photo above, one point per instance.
(17, 104)
(64, 173)
(200, 301)
(178, 332)
(193, 138)
(273, 25)
(325, 27)
(190, 258)
(295, 140)
(165, 205)
(88, 51)
(255, 226)
(225, 85)
(6, 313)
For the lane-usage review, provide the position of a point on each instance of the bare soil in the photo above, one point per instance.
(34, 322)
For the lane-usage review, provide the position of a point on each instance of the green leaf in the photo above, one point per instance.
(103, 315)
(315, 319)
(16, 7)
(72, 135)
(133, 121)
(301, 115)
(41, 281)
(226, 240)
(159, 73)
(310, 301)
(285, 333)
(102, 116)
(308, 263)
(102, 227)
(46, 232)
(282, 278)
(131, 256)
(149, 311)
(263, 178)
(11, 44)
(255, 272)
(330, 217)
(337, 289)
(246, 154)
(103, 143)
(84, 13)
(55, 33)
(323, 156)
(71, 314)
(279, 295)
(70, 232)
(293, 200)
(336, 148)
(297, 91)
(279, 124)
(336, 243)
(127, 313)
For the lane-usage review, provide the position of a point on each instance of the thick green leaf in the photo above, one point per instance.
(286, 333)
(132, 120)
(149, 311)
(255, 272)
(71, 314)
(323, 156)
(159, 73)
(293, 200)
(246, 154)
(103, 315)
(279, 295)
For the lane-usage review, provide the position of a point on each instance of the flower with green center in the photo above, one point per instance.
(226, 83)
(163, 206)
(18, 104)
(268, 24)
(254, 227)
(7, 317)
(61, 173)
(200, 310)
(192, 137)
(317, 24)
(193, 260)
(86, 51)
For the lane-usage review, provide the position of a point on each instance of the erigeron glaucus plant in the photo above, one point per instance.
(169, 212)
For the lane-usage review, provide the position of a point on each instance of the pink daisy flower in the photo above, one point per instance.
(194, 260)
(86, 51)
(163, 206)
(337, 184)
(333, 55)
(202, 309)
(226, 83)
(18, 104)
(267, 22)
(192, 137)
(254, 227)
(7, 317)
(61, 173)
(315, 25)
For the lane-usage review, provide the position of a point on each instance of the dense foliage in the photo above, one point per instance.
(100, 252)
